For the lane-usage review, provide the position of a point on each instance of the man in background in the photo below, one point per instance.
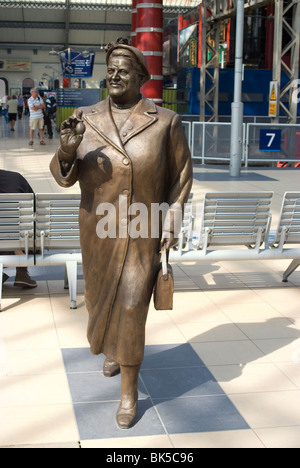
(36, 106)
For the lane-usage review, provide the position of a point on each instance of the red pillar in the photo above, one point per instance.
(133, 23)
(149, 36)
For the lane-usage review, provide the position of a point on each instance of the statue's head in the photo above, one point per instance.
(121, 48)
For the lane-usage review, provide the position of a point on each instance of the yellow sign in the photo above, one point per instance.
(193, 52)
(273, 109)
(15, 65)
(273, 96)
(273, 101)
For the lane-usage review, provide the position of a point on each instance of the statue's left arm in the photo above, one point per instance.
(180, 181)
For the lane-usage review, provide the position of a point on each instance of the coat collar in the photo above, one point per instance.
(100, 119)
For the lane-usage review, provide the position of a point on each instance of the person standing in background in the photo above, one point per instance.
(36, 106)
(47, 120)
(26, 110)
(12, 109)
(4, 106)
(20, 106)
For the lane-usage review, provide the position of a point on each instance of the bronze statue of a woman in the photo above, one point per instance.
(123, 148)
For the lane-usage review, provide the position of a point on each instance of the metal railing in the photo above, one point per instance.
(263, 143)
(272, 143)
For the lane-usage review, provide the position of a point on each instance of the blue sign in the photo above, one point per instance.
(77, 97)
(270, 140)
(76, 65)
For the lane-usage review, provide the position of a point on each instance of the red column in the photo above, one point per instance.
(133, 23)
(149, 35)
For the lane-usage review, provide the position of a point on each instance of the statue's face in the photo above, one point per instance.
(122, 80)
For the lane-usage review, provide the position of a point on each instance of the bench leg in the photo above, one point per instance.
(293, 266)
(71, 267)
(1, 285)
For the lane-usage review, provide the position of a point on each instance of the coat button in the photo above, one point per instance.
(124, 134)
(125, 162)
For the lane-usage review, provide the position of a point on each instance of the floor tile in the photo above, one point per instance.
(93, 387)
(263, 377)
(269, 409)
(229, 352)
(82, 360)
(280, 437)
(38, 424)
(211, 331)
(28, 390)
(170, 356)
(156, 334)
(178, 382)
(280, 349)
(31, 361)
(98, 420)
(199, 414)
(272, 328)
(287, 309)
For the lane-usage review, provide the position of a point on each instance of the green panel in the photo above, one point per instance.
(170, 99)
(62, 113)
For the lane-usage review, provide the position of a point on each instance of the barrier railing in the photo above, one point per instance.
(278, 143)
(211, 141)
(263, 143)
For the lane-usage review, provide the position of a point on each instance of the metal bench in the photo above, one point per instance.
(234, 227)
(288, 230)
(16, 231)
(187, 228)
(57, 229)
(231, 221)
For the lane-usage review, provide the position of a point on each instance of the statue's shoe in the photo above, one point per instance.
(126, 417)
(111, 368)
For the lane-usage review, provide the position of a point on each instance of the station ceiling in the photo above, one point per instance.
(44, 24)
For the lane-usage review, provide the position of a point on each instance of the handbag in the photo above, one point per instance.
(164, 286)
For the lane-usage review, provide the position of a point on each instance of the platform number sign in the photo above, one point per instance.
(270, 140)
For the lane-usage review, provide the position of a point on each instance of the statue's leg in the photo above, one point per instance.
(127, 412)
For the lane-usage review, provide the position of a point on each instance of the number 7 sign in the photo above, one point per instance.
(270, 140)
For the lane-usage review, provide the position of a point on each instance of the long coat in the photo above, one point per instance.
(147, 162)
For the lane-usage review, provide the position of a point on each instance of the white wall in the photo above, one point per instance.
(38, 63)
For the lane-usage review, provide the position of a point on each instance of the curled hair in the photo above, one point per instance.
(115, 44)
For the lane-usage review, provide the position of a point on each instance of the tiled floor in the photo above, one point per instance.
(220, 370)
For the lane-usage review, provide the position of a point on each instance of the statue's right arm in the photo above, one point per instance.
(64, 164)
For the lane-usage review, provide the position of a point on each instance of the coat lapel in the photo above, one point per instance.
(100, 119)
(144, 115)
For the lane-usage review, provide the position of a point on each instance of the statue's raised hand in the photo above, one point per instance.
(71, 135)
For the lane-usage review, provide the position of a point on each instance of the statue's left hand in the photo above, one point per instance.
(167, 240)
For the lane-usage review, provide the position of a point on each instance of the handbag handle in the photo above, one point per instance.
(164, 261)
